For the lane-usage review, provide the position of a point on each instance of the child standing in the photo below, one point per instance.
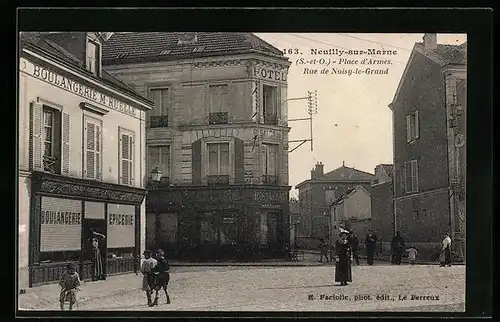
(412, 254)
(70, 284)
(148, 278)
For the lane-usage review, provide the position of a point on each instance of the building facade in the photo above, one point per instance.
(317, 194)
(382, 222)
(218, 134)
(429, 145)
(81, 159)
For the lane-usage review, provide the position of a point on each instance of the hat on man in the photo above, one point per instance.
(147, 252)
(70, 266)
(160, 252)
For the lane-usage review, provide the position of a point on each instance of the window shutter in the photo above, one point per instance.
(416, 125)
(131, 157)
(408, 128)
(409, 178)
(239, 161)
(98, 148)
(65, 148)
(36, 136)
(414, 175)
(125, 167)
(278, 105)
(90, 151)
(196, 162)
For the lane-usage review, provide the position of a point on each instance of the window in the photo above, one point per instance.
(412, 127)
(411, 176)
(93, 148)
(51, 136)
(126, 159)
(416, 209)
(158, 117)
(93, 57)
(218, 104)
(269, 104)
(159, 156)
(271, 163)
(218, 159)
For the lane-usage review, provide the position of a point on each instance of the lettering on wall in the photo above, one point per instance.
(60, 224)
(121, 226)
(49, 76)
(121, 219)
(270, 74)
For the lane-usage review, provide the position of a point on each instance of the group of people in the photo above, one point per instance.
(353, 241)
(155, 270)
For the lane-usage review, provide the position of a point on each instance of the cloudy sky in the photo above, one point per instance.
(353, 123)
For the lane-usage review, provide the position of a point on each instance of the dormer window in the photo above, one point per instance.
(93, 57)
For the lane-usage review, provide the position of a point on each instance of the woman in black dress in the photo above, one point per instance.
(343, 273)
(97, 261)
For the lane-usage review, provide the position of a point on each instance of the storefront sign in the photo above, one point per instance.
(266, 73)
(60, 224)
(270, 196)
(269, 134)
(216, 196)
(53, 78)
(228, 220)
(121, 226)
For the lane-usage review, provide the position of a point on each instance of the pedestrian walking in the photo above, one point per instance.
(398, 246)
(148, 281)
(70, 285)
(162, 276)
(97, 261)
(323, 250)
(445, 256)
(371, 245)
(412, 254)
(353, 241)
(343, 272)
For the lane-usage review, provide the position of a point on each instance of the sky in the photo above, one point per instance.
(353, 123)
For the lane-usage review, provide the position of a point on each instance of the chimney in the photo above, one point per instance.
(319, 169)
(430, 41)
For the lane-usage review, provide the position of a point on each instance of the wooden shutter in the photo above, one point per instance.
(36, 111)
(98, 151)
(65, 144)
(402, 178)
(196, 162)
(239, 161)
(90, 156)
(414, 175)
(408, 183)
(416, 125)
(131, 158)
(124, 156)
(408, 128)
(278, 105)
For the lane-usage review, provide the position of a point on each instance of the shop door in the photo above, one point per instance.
(272, 230)
(99, 226)
(228, 236)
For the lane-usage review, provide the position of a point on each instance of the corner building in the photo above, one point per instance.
(219, 136)
(81, 160)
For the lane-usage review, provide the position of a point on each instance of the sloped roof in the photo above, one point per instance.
(41, 42)
(164, 46)
(347, 174)
(347, 193)
(389, 169)
(450, 54)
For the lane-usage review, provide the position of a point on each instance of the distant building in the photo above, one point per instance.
(219, 136)
(317, 194)
(382, 204)
(429, 112)
(351, 211)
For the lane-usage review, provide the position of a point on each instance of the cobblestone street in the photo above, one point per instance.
(377, 288)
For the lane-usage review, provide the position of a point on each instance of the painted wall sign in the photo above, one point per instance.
(270, 196)
(121, 226)
(60, 224)
(49, 76)
(270, 74)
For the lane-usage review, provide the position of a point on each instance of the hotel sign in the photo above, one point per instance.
(270, 74)
(50, 76)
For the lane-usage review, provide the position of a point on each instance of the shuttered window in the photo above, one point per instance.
(159, 157)
(411, 176)
(93, 149)
(412, 127)
(271, 155)
(219, 95)
(126, 150)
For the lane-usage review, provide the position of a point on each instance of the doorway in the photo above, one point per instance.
(99, 226)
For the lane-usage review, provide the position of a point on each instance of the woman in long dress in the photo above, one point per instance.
(343, 273)
(97, 264)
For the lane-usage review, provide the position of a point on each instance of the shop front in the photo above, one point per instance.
(220, 223)
(82, 222)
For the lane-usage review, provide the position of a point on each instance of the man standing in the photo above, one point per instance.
(398, 246)
(446, 251)
(148, 278)
(323, 250)
(371, 245)
(354, 242)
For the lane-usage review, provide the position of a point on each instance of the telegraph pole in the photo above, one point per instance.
(312, 108)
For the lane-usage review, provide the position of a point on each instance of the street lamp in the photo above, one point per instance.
(156, 174)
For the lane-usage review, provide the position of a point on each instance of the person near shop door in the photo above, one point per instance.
(97, 261)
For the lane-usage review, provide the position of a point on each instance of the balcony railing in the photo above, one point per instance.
(270, 119)
(49, 164)
(218, 118)
(267, 179)
(217, 180)
(158, 121)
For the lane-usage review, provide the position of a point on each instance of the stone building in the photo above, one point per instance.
(429, 110)
(382, 221)
(318, 193)
(219, 136)
(81, 146)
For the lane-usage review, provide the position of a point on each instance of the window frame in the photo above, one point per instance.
(160, 146)
(267, 147)
(127, 132)
(222, 98)
(163, 108)
(412, 127)
(96, 59)
(219, 144)
(95, 121)
(265, 111)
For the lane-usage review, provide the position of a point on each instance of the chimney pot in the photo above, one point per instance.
(430, 41)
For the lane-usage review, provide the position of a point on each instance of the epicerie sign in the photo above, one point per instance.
(60, 224)
(51, 77)
(121, 226)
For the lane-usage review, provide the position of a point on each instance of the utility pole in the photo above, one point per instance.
(312, 108)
